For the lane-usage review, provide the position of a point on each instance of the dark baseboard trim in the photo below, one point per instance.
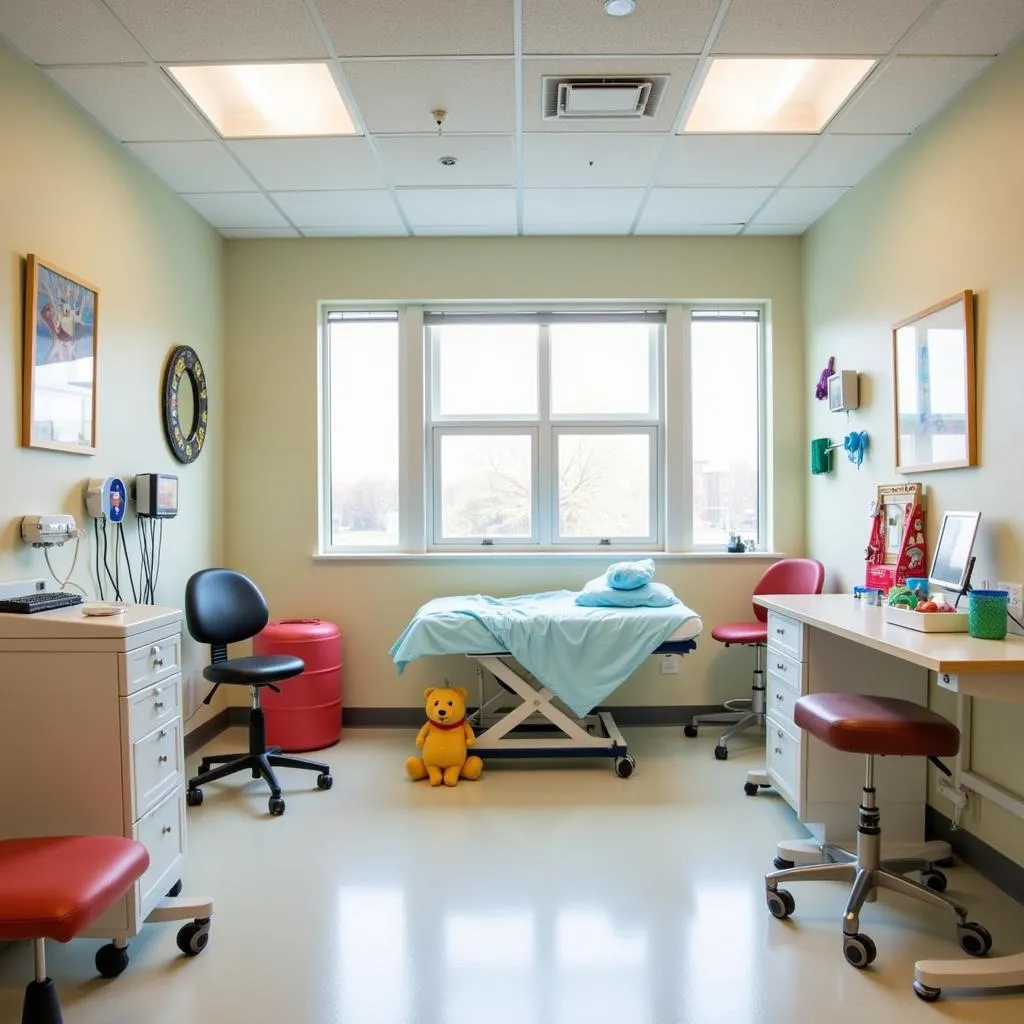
(1008, 875)
(202, 734)
(412, 718)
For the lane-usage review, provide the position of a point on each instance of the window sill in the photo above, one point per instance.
(545, 556)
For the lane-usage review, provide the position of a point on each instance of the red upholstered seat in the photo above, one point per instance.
(741, 633)
(864, 724)
(52, 887)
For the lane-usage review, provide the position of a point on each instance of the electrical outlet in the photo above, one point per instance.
(1015, 599)
(669, 665)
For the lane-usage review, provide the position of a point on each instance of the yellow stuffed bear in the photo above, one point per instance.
(445, 740)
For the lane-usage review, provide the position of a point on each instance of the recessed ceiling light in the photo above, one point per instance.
(619, 8)
(448, 161)
(267, 100)
(763, 94)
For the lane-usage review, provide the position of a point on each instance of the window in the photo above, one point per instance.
(617, 429)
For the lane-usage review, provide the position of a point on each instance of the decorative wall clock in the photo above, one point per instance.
(185, 404)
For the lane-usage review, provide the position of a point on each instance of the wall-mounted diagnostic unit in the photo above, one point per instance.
(106, 498)
(156, 495)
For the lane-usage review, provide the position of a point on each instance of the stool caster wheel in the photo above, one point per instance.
(934, 880)
(690, 730)
(193, 937)
(194, 797)
(324, 781)
(624, 766)
(926, 992)
(780, 903)
(276, 805)
(721, 753)
(175, 890)
(859, 950)
(974, 939)
(781, 864)
(111, 960)
(750, 788)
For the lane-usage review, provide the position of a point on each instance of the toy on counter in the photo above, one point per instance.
(897, 548)
(445, 740)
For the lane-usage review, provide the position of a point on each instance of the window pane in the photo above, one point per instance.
(486, 485)
(600, 369)
(486, 369)
(725, 430)
(604, 485)
(364, 432)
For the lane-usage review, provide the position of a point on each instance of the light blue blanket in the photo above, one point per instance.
(581, 654)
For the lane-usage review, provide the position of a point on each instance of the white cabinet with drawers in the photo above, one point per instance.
(785, 681)
(91, 741)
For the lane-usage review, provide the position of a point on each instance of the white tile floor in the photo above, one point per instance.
(556, 894)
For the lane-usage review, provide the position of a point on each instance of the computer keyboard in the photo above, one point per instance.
(40, 601)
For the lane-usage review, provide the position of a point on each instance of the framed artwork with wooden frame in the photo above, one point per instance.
(933, 387)
(60, 362)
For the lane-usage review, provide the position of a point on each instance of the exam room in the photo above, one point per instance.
(387, 900)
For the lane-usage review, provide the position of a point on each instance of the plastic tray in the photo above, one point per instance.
(927, 622)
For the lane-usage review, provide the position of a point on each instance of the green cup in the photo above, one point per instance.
(986, 614)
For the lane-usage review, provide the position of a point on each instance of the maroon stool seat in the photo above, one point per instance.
(863, 724)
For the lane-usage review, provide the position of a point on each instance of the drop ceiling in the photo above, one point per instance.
(485, 62)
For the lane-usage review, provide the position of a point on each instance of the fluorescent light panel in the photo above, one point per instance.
(245, 101)
(773, 95)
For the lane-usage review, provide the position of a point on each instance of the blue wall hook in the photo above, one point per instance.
(856, 444)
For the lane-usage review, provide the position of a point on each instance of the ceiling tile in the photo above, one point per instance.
(673, 209)
(581, 26)
(678, 69)
(732, 159)
(429, 27)
(690, 229)
(236, 210)
(844, 159)
(461, 230)
(287, 164)
(775, 229)
(357, 231)
(135, 103)
(816, 27)
(799, 205)
(194, 166)
(259, 233)
(607, 209)
(361, 208)
(983, 27)
(461, 208)
(907, 93)
(591, 160)
(398, 96)
(481, 160)
(228, 30)
(67, 32)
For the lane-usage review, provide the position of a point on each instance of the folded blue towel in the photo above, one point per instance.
(630, 575)
(597, 594)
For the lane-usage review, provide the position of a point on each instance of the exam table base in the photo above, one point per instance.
(555, 733)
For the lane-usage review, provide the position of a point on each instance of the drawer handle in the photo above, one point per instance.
(779, 696)
(155, 652)
(780, 666)
(166, 829)
(779, 733)
(158, 662)
(161, 759)
(158, 703)
(778, 750)
(780, 631)
(161, 734)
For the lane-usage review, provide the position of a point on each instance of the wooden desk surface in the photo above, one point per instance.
(844, 616)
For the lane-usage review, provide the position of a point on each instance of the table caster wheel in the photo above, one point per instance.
(193, 937)
(926, 992)
(974, 939)
(175, 890)
(276, 805)
(780, 903)
(690, 730)
(859, 950)
(750, 788)
(324, 781)
(781, 864)
(111, 960)
(934, 879)
(624, 766)
(194, 797)
(721, 753)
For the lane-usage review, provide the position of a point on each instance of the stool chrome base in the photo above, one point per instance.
(739, 719)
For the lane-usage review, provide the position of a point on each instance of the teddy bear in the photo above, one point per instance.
(445, 740)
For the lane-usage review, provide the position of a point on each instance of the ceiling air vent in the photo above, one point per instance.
(587, 99)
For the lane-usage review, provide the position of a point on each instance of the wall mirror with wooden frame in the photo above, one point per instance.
(933, 387)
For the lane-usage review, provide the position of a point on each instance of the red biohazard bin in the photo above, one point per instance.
(306, 714)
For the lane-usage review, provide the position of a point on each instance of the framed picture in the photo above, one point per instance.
(933, 387)
(61, 328)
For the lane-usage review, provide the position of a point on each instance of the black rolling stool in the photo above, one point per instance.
(224, 607)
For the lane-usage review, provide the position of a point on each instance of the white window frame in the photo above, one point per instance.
(672, 447)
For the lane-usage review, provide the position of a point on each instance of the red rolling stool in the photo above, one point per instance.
(51, 888)
(869, 725)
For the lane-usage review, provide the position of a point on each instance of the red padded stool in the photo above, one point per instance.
(51, 888)
(868, 725)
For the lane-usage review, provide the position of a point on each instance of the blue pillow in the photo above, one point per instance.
(597, 594)
(630, 575)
